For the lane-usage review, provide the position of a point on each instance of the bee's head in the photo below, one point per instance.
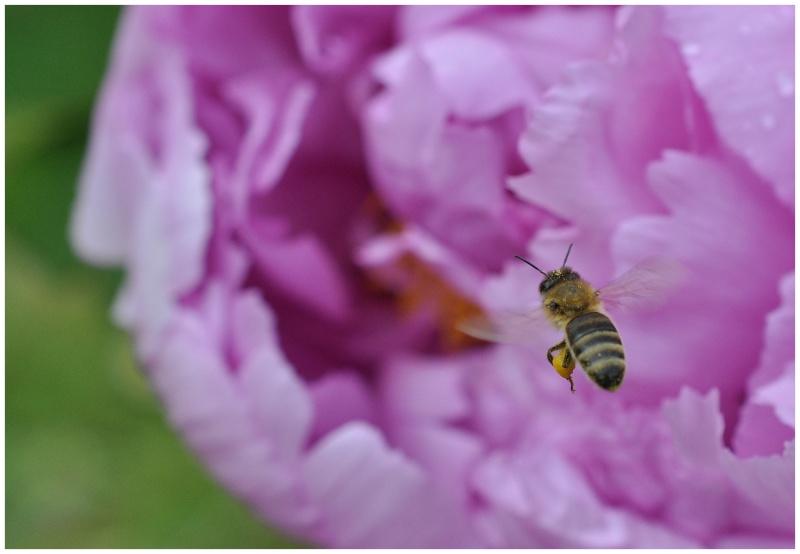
(563, 273)
(556, 276)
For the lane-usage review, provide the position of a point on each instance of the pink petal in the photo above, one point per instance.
(332, 39)
(274, 107)
(421, 20)
(423, 389)
(703, 504)
(719, 216)
(745, 72)
(766, 487)
(384, 250)
(417, 123)
(279, 401)
(340, 398)
(588, 154)
(158, 217)
(103, 219)
(572, 178)
(540, 500)
(206, 404)
(476, 91)
(374, 496)
(779, 334)
(778, 394)
(754, 541)
(696, 425)
(435, 172)
(447, 456)
(289, 263)
(759, 431)
(767, 419)
(224, 42)
(548, 39)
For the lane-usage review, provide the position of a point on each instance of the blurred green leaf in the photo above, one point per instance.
(55, 58)
(56, 54)
(89, 460)
(39, 194)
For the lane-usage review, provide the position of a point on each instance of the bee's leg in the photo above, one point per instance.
(569, 364)
(563, 362)
(560, 346)
(569, 361)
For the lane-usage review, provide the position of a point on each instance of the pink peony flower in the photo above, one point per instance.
(307, 200)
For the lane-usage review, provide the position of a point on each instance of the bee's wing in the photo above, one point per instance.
(644, 285)
(506, 326)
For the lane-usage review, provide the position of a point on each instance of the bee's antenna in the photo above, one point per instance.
(567, 256)
(530, 264)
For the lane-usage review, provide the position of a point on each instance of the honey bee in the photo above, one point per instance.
(577, 309)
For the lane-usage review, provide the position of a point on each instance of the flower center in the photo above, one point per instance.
(417, 289)
(424, 290)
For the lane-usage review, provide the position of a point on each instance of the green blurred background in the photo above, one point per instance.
(90, 462)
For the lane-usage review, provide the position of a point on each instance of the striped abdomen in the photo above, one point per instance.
(595, 343)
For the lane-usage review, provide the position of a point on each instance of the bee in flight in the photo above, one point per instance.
(573, 306)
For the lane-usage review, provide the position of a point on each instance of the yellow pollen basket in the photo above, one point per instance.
(561, 369)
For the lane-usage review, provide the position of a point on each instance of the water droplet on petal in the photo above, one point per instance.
(785, 82)
(768, 121)
(690, 49)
